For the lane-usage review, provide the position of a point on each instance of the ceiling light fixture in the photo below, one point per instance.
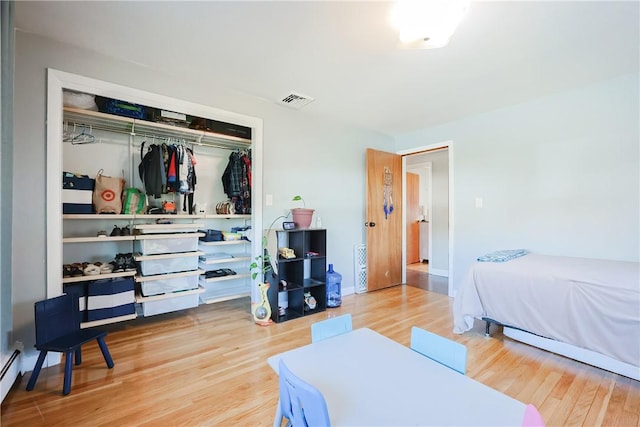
(427, 24)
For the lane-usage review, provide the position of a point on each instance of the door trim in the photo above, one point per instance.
(420, 150)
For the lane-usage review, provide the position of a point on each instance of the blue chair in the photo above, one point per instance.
(331, 327)
(58, 330)
(304, 402)
(440, 349)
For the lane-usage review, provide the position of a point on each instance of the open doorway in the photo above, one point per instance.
(428, 218)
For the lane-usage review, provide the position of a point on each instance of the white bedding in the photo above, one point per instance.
(588, 303)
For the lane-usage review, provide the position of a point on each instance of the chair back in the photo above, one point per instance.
(331, 327)
(308, 407)
(56, 317)
(440, 349)
(532, 417)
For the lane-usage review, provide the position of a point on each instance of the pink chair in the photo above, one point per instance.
(532, 417)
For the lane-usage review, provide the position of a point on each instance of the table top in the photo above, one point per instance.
(368, 379)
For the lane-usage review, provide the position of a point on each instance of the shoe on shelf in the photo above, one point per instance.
(76, 270)
(125, 231)
(102, 233)
(119, 264)
(66, 270)
(129, 262)
(106, 268)
(115, 232)
(91, 270)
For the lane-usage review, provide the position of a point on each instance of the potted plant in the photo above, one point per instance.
(301, 216)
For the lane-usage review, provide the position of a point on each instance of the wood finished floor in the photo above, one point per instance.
(207, 366)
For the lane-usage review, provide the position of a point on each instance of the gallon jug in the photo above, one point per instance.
(334, 291)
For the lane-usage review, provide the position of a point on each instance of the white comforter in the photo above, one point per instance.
(589, 303)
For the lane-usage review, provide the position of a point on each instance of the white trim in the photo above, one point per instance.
(580, 354)
(438, 272)
(59, 80)
(417, 150)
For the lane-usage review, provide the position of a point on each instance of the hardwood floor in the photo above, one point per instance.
(207, 366)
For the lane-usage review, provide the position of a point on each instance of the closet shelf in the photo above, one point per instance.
(113, 123)
(147, 216)
(224, 260)
(224, 242)
(107, 321)
(223, 278)
(97, 277)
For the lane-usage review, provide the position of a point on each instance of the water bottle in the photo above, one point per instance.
(334, 283)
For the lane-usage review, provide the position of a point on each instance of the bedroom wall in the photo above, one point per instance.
(302, 155)
(558, 175)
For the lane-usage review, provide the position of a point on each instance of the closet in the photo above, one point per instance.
(168, 264)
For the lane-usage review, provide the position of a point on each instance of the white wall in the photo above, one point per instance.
(558, 175)
(320, 160)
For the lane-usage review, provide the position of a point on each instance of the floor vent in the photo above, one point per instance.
(296, 100)
(360, 268)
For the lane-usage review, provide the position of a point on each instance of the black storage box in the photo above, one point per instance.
(229, 129)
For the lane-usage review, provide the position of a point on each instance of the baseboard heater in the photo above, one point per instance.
(10, 371)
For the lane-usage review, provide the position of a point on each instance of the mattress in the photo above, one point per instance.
(589, 303)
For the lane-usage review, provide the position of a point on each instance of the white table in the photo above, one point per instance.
(369, 380)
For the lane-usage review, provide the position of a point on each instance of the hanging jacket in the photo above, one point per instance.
(150, 170)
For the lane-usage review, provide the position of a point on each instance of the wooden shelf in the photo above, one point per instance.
(224, 260)
(224, 242)
(97, 239)
(114, 123)
(97, 277)
(100, 322)
(154, 216)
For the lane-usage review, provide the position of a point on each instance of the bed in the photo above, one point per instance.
(586, 309)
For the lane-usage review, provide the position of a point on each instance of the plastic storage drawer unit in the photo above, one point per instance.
(165, 285)
(163, 264)
(167, 305)
(168, 243)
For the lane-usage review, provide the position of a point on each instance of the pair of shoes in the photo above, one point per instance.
(91, 270)
(102, 233)
(120, 231)
(219, 273)
(124, 262)
(73, 270)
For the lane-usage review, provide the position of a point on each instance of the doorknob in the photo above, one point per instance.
(369, 224)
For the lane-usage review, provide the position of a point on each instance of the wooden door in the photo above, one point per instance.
(384, 219)
(413, 212)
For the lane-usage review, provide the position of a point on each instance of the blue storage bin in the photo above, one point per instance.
(108, 298)
(77, 192)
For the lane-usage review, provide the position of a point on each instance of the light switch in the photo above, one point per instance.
(268, 199)
(478, 202)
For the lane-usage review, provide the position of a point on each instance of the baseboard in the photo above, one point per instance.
(10, 372)
(438, 272)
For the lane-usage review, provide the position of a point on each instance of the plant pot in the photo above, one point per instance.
(302, 217)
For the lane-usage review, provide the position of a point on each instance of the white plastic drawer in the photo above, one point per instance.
(167, 285)
(167, 305)
(156, 244)
(163, 264)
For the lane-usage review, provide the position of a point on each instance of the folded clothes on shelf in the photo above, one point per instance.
(219, 273)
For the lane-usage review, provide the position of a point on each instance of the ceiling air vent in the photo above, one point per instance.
(296, 100)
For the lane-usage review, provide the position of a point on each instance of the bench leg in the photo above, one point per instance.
(36, 370)
(68, 366)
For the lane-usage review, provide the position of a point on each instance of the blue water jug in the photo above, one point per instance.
(334, 287)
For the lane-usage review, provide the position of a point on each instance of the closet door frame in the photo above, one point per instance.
(59, 80)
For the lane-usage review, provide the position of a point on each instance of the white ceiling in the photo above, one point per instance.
(344, 54)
